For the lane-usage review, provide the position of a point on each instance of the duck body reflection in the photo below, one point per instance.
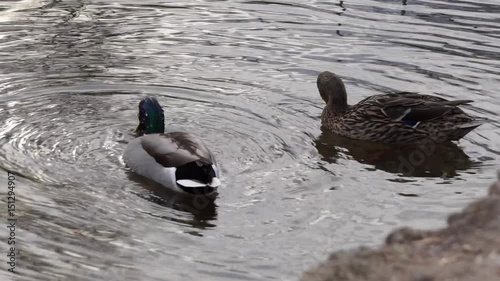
(198, 211)
(423, 159)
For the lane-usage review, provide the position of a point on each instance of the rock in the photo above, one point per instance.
(467, 249)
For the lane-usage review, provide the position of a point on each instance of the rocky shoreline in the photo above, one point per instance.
(467, 249)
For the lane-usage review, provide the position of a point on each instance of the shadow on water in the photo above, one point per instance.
(202, 208)
(422, 160)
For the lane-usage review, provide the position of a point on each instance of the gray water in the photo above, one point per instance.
(241, 75)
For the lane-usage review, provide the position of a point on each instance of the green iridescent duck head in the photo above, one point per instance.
(151, 118)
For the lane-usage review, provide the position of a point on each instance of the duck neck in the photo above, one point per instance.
(337, 107)
(150, 128)
(153, 124)
(157, 127)
(335, 97)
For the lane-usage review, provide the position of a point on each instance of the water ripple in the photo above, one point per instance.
(242, 76)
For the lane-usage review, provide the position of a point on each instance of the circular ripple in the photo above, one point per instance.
(70, 132)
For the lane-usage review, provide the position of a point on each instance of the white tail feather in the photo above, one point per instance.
(215, 182)
(191, 183)
(194, 183)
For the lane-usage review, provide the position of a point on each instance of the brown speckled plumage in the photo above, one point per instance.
(398, 118)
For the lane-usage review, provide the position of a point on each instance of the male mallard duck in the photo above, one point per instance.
(399, 118)
(177, 160)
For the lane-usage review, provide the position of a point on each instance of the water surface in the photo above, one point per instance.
(242, 75)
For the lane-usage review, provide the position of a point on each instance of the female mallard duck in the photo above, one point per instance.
(177, 160)
(399, 118)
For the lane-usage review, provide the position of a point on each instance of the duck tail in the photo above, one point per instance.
(197, 174)
(472, 124)
(465, 128)
(457, 102)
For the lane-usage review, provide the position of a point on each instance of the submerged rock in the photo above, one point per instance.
(467, 249)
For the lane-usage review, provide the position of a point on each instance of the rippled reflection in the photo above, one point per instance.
(241, 75)
(202, 208)
(424, 160)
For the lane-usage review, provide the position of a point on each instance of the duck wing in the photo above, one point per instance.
(175, 149)
(412, 108)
